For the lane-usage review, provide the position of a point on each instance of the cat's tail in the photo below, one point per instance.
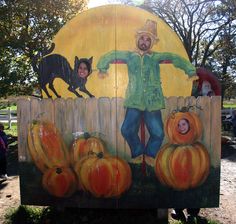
(39, 56)
(49, 50)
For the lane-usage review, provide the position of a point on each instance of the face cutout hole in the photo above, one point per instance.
(183, 126)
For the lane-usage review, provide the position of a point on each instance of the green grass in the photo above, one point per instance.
(13, 107)
(229, 105)
(24, 214)
(12, 130)
(4, 105)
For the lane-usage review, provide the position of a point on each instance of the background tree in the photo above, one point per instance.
(223, 64)
(27, 27)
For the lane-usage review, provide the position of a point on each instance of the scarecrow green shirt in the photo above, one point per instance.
(144, 91)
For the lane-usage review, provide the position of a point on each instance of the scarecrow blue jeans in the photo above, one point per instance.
(130, 129)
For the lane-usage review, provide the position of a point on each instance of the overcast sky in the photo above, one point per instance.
(95, 3)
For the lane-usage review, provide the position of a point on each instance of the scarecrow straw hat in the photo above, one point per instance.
(150, 29)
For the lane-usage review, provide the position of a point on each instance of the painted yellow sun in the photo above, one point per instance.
(113, 27)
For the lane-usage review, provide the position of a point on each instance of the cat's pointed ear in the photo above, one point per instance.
(91, 60)
(76, 62)
(76, 59)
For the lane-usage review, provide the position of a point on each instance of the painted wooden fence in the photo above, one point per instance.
(104, 116)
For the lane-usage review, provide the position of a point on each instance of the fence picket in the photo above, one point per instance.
(205, 117)
(215, 131)
(23, 120)
(104, 111)
(79, 114)
(60, 109)
(47, 110)
(91, 115)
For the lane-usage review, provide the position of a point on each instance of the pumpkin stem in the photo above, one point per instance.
(185, 109)
(34, 122)
(100, 155)
(58, 170)
(173, 113)
(91, 153)
(199, 107)
(87, 135)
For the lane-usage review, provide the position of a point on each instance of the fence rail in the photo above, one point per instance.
(106, 115)
(8, 116)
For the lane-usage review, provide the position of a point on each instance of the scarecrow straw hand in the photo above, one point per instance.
(193, 78)
(102, 75)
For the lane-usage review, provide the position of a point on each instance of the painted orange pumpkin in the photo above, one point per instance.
(104, 176)
(182, 166)
(60, 181)
(86, 145)
(183, 128)
(46, 146)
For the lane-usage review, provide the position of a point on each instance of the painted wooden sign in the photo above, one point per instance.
(110, 135)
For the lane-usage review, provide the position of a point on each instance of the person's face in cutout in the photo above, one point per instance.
(144, 42)
(83, 70)
(183, 126)
(206, 88)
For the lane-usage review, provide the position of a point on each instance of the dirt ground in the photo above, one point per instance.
(225, 214)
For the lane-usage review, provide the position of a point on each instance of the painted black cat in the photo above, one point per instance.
(56, 66)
